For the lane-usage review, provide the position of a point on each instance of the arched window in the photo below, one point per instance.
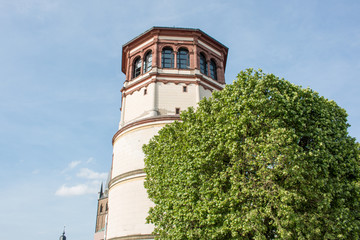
(148, 62)
(213, 73)
(183, 58)
(203, 64)
(101, 208)
(137, 67)
(167, 58)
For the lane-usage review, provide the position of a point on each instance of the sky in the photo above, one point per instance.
(60, 81)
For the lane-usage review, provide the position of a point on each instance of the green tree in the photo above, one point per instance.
(261, 159)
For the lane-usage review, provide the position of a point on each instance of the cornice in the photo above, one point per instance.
(187, 79)
(145, 121)
(134, 237)
(125, 176)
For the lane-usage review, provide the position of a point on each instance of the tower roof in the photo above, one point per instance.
(174, 28)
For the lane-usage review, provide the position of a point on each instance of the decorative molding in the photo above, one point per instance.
(158, 80)
(126, 176)
(216, 86)
(141, 45)
(134, 237)
(176, 38)
(210, 82)
(176, 82)
(139, 87)
(208, 47)
(144, 121)
(206, 87)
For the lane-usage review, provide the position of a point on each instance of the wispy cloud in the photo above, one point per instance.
(73, 164)
(90, 160)
(90, 182)
(76, 190)
(90, 174)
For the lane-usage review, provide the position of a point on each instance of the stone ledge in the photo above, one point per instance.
(133, 237)
(125, 175)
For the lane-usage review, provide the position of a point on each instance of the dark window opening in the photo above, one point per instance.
(184, 88)
(148, 62)
(213, 73)
(101, 208)
(167, 58)
(177, 110)
(106, 208)
(137, 67)
(183, 59)
(203, 64)
(145, 91)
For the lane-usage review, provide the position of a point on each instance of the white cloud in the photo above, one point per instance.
(70, 166)
(89, 184)
(76, 190)
(90, 160)
(73, 164)
(90, 174)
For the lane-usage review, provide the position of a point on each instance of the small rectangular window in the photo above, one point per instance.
(177, 111)
(184, 88)
(145, 91)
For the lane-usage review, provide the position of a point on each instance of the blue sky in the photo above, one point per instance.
(60, 78)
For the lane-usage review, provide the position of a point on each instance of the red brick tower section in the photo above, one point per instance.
(194, 40)
(167, 70)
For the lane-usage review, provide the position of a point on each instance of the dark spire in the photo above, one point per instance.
(63, 237)
(101, 191)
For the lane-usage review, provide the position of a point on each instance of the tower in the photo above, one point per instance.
(102, 210)
(167, 70)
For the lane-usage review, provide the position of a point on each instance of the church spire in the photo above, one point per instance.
(101, 191)
(63, 237)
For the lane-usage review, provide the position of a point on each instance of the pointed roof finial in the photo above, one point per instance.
(101, 190)
(63, 237)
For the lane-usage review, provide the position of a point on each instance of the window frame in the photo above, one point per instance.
(213, 70)
(147, 63)
(167, 56)
(183, 58)
(101, 208)
(137, 67)
(177, 111)
(203, 64)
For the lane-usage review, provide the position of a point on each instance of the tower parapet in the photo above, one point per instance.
(167, 70)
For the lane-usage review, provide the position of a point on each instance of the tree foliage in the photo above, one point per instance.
(261, 159)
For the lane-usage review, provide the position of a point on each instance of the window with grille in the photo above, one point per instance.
(213, 73)
(167, 58)
(137, 67)
(183, 58)
(148, 62)
(203, 64)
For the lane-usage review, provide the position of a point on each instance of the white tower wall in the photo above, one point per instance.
(130, 203)
(139, 105)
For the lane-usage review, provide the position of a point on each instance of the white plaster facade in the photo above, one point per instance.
(149, 101)
(129, 200)
(128, 155)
